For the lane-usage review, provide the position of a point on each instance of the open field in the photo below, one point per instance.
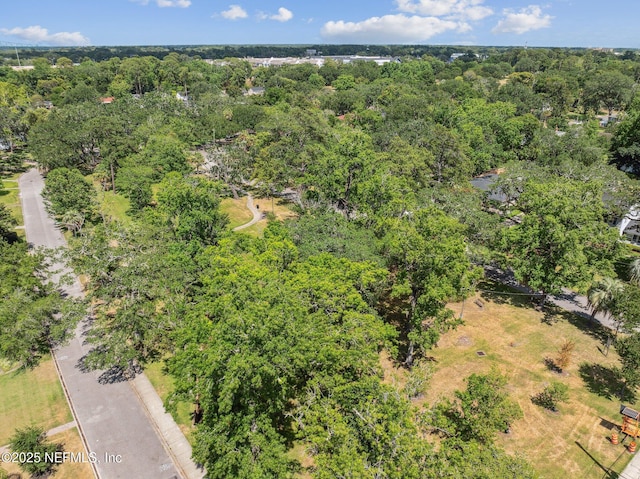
(68, 470)
(515, 339)
(31, 397)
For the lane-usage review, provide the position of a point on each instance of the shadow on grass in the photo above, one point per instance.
(608, 473)
(551, 365)
(583, 322)
(604, 381)
(499, 293)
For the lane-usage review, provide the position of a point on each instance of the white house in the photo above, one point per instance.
(629, 226)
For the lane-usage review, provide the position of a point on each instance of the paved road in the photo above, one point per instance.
(110, 417)
(257, 215)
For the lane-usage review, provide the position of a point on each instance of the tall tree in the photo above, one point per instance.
(33, 315)
(67, 190)
(610, 89)
(427, 255)
(562, 240)
(190, 208)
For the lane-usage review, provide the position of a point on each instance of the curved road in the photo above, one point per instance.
(111, 418)
(257, 215)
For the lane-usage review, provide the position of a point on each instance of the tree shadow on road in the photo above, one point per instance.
(114, 374)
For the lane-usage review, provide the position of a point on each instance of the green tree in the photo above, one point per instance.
(66, 190)
(7, 225)
(611, 89)
(140, 282)
(562, 240)
(135, 182)
(629, 350)
(270, 328)
(33, 315)
(68, 137)
(428, 252)
(625, 144)
(551, 396)
(457, 458)
(480, 411)
(190, 208)
(31, 443)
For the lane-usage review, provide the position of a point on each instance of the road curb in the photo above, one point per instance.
(85, 443)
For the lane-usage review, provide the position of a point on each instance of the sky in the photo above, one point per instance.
(554, 23)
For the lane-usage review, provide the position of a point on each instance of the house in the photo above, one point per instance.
(629, 225)
(254, 90)
(184, 97)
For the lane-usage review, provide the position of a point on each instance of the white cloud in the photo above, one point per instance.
(166, 3)
(390, 29)
(38, 34)
(524, 20)
(234, 12)
(173, 3)
(450, 9)
(283, 15)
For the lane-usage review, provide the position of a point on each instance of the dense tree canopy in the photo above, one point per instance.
(276, 337)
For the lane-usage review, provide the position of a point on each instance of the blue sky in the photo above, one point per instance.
(579, 23)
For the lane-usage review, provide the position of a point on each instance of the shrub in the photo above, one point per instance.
(551, 396)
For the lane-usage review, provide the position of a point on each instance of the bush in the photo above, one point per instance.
(551, 396)
(32, 441)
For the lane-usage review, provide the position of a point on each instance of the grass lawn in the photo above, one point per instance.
(163, 384)
(68, 470)
(114, 205)
(279, 207)
(515, 339)
(9, 196)
(237, 210)
(239, 214)
(31, 397)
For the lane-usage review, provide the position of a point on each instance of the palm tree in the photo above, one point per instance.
(602, 296)
(73, 221)
(634, 271)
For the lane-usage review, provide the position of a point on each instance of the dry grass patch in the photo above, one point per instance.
(278, 207)
(67, 470)
(237, 210)
(571, 443)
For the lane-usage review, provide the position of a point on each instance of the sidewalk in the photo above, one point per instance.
(173, 440)
(632, 471)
